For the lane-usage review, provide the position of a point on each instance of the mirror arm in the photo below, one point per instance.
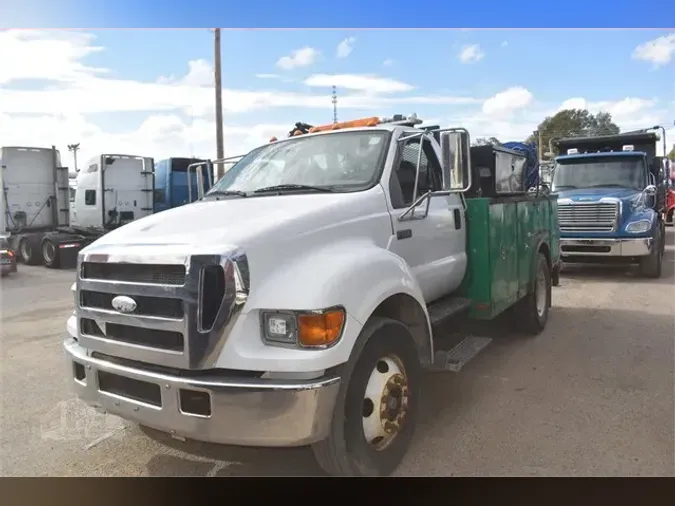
(416, 203)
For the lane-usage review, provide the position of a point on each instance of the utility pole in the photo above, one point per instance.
(74, 148)
(334, 100)
(219, 104)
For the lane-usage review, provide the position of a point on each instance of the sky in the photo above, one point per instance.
(150, 92)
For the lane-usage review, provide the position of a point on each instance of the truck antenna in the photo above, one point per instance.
(334, 100)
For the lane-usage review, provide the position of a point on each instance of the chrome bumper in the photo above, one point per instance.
(606, 247)
(245, 412)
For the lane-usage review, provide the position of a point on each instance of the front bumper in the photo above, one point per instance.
(245, 412)
(606, 247)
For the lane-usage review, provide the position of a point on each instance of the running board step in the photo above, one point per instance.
(456, 358)
(444, 309)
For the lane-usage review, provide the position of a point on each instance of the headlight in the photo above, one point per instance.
(638, 227)
(307, 329)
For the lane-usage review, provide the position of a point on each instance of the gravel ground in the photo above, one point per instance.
(593, 395)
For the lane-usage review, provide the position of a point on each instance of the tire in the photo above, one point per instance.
(529, 315)
(388, 349)
(29, 250)
(555, 275)
(51, 255)
(651, 265)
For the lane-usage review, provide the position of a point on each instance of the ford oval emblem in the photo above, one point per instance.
(124, 304)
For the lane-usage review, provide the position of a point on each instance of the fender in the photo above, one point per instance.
(361, 276)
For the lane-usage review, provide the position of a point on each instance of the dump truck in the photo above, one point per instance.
(611, 200)
(300, 301)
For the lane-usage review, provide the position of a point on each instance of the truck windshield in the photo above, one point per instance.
(340, 161)
(597, 172)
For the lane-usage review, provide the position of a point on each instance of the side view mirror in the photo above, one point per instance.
(456, 159)
(650, 190)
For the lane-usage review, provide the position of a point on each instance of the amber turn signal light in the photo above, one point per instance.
(320, 329)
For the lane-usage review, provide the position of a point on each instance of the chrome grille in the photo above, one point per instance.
(588, 217)
(135, 273)
(166, 327)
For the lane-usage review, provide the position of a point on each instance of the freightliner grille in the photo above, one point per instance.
(588, 217)
(184, 304)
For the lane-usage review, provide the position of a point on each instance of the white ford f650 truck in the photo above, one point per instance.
(300, 300)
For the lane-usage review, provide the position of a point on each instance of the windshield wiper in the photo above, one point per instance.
(281, 187)
(566, 187)
(607, 185)
(226, 192)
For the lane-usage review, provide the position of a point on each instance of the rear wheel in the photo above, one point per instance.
(374, 416)
(531, 312)
(50, 254)
(29, 250)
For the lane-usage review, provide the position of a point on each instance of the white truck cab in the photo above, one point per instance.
(295, 303)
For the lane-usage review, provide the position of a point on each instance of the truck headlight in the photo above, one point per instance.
(638, 227)
(307, 329)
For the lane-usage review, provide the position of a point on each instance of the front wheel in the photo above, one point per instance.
(651, 265)
(375, 413)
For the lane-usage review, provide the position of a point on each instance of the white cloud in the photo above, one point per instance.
(298, 58)
(388, 62)
(268, 76)
(471, 53)
(360, 82)
(658, 51)
(507, 101)
(505, 43)
(345, 47)
(57, 55)
(628, 113)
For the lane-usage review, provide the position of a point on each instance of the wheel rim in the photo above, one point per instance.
(540, 292)
(385, 403)
(25, 250)
(48, 251)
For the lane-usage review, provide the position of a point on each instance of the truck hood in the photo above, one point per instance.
(595, 194)
(272, 219)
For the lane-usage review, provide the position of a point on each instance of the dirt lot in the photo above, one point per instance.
(593, 395)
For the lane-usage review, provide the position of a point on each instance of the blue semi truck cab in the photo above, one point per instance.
(611, 199)
(180, 181)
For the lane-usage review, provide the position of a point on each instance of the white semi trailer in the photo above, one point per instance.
(46, 222)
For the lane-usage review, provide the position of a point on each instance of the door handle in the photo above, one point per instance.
(404, 234)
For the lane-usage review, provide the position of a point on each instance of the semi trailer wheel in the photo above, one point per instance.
(375, 413)
(29, 250)
(51, 255)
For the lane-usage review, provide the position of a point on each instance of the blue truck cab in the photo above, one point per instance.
(177, 181)
(610, 200)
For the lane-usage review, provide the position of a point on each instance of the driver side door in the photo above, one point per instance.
(434, 246)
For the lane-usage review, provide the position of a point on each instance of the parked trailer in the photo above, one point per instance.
(40, 222)
(180, 181)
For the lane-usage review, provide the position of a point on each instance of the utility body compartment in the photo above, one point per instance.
(503, 234)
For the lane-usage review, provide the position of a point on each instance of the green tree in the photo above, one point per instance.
(574, 123)
(671, 155)
(484, 141)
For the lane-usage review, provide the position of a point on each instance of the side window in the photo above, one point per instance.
(430, 177)
(160, 196)
(90, 197)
